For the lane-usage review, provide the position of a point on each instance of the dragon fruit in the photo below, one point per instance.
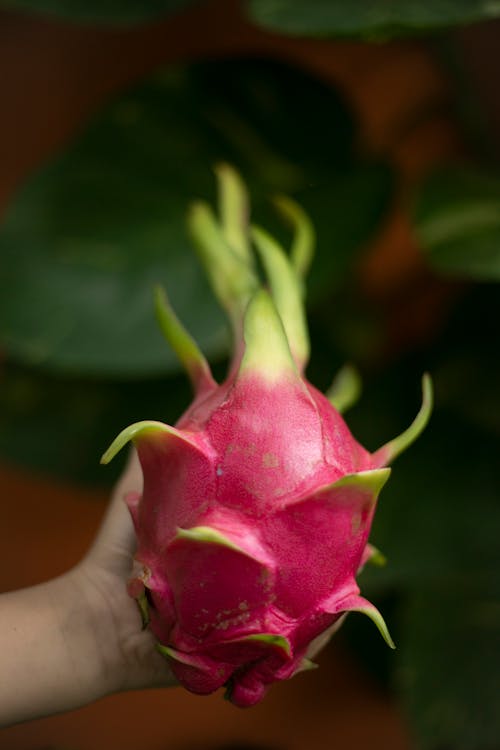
(256, 507)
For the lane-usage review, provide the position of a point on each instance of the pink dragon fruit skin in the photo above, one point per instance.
(256, 508)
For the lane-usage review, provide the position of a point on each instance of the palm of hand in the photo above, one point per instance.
(129, 657)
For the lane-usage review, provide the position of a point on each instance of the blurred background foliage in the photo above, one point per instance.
(84, 239)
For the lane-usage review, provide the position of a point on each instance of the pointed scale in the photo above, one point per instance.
(207, 535)
(304, 240)
(202, 673)
(306, 665)
(223, 245)
(357, 603)
(233, 281)
(182, 657)
(243, 541)
(267, 351)
(278, 642)
(252, 647)
(234, 211)
(360, 491)
(142, 603)
(345, 389)
(183, 344)
(374, 556)
(146, 430)
(217, 582)
(338, 517)
(368, 482)
(388, 452)
(286, 293)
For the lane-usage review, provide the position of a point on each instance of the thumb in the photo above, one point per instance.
(115, 543)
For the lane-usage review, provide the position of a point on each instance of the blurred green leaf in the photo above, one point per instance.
(61, 425)
(365, 17)
(100, 11)
(449, 666)
(438, 517)
(467, 370)
(457, 222)
(437, 523)
(346, 207)
(87, 239)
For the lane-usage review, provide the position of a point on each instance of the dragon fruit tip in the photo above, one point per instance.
(267, 352)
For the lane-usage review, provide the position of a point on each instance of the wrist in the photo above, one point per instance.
(49, 651)
(86, 614)
(80, 660)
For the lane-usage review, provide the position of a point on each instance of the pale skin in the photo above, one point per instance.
(72, 640)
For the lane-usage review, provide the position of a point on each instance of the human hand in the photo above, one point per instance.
(77, 638)
(129, 656)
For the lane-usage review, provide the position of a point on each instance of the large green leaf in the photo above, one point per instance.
(367, 18)
(467, 371)
(100, 11)
(438, 517)
(457, 221)
(437, 524)
(449, 666)
(62, 425)
(86, 240)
